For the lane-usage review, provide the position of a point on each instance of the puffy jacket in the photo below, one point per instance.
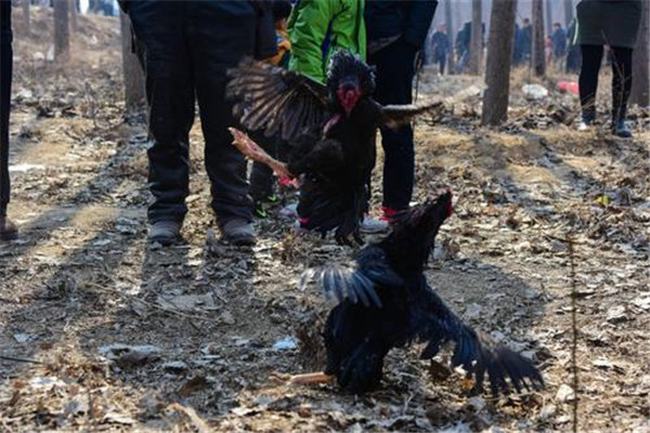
(317, 28)
(409, 18)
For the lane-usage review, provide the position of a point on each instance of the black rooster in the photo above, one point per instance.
(385, 302)
(331, 130)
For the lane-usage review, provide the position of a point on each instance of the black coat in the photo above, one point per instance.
(612, 22)
(409, 18)
(265, 41)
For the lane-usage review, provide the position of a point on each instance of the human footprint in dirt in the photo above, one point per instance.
(188, 46)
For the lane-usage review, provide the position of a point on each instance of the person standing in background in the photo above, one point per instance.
(526, 40)
(188, 47)
(463, 38)
(559, 39)
(441, 46)
(396, 32)
(8, 229)
(573, 57)
(615, 24)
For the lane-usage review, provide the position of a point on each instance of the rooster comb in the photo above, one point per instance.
(343, 64)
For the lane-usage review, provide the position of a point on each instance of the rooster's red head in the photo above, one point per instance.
(349, 80)
(414, 233)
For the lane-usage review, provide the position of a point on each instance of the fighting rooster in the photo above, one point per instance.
(386, 302)
(331, 129)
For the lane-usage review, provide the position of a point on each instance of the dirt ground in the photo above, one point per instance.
(548, 251)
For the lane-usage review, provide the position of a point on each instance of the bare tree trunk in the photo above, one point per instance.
(549, 17)
(539, 54)
(26, 19)
(131, 68)
(499, 58)
(73, 16)
(476, 43)
(568, 12)
(641, 62)
(61, 30)
(458, 17)
(451, 63)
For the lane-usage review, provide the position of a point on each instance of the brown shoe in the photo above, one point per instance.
(8, 229)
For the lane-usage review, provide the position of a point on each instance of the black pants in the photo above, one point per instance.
(592, 57)
(188, 46)
(262, 178)
(441, 61)
(395, 70)
(5, 100)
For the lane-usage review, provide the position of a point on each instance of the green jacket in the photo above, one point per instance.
(317, 28)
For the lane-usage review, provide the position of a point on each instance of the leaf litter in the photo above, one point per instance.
(126, 336)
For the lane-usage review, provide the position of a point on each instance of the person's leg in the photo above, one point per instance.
(261, 176)
(592, 57)
(5, 102)
(159, 26)
(621, 87)
(221, 33)
(395, 70)
(7, 229)
(261, 181)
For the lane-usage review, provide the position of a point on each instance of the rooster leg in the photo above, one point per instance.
(253, 151)
(310, 378)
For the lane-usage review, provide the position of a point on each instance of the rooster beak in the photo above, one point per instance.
(348, 94)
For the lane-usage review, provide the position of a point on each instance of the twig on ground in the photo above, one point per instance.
(20, 359)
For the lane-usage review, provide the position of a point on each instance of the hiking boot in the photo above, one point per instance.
(371, 225)
(8, 230)
(620, 129)
(239, 232)
(165, 232)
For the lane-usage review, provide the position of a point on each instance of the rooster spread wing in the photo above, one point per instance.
(433, 323)
(395, 116)
(275, 99)
(358, 284)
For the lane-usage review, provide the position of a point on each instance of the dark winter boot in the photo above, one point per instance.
(165, 232)
(619, 128)
(8, 229)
